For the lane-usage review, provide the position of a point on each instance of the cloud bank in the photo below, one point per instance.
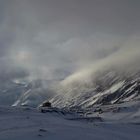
(52, 40)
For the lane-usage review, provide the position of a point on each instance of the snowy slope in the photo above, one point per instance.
(26, 123)
(29, 93)
(10, 91)
(106, 88)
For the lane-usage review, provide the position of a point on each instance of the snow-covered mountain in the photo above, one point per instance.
(27, 93)
(109, 87)
(37, 92)
(10, 91)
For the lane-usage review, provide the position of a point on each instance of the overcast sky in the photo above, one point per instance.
(52, 38)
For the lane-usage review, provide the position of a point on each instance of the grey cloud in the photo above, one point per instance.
(58, 37)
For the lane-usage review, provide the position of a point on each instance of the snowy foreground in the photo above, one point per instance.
(28, 124)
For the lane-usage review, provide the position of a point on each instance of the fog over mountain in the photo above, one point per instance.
(67, 40)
